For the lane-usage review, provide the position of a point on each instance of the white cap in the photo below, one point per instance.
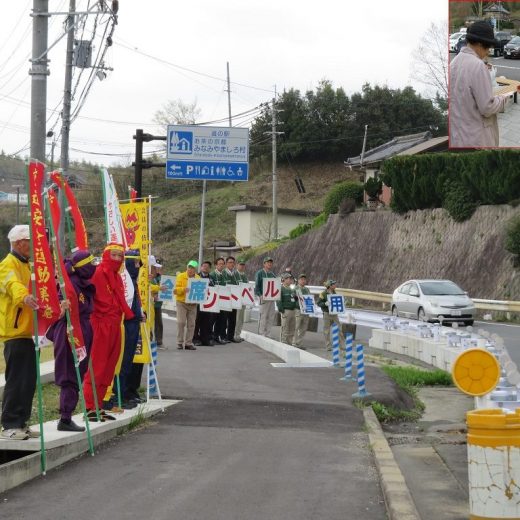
(19, 232)
(153, 262)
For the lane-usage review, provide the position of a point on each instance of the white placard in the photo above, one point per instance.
(211, 304)
(224, 297)
(271, 289)
(197, 288)
(247, 293)
(236, 296)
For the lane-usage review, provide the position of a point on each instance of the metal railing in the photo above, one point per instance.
(355, 294)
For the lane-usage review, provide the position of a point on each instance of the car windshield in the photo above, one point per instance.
(515, 40)
(440, 289)
(454, 36)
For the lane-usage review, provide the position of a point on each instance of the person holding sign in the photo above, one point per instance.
(219, 280)
(16, 331)
(230, 317)
(204, 320)
(186, 312)
(328, 317)
(302, 320)
(242, 278)
(80, 269)
(267, 309)
(287, 307)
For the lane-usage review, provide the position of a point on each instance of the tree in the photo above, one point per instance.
(430, 63)
(177, 112)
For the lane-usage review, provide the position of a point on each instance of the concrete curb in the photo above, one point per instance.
(26, 468)
(399, 501)
(292, 356)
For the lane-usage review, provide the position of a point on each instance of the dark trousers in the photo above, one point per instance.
(131, 338)
(158, 325)
(231, 320)
(20, 382)
(219, 329)
(203, 326)
(133, 381)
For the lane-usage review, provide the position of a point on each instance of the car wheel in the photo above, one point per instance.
(469, 323)
(421, 315)
(395, 312)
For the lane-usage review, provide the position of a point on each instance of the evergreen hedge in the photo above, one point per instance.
(457, 181)
(343, 190)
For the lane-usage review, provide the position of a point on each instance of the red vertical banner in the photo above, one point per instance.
(80, 230)
(45, 290)
(75, 333)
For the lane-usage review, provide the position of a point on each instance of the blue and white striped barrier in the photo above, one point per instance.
(349, 340)
(335, 345)
(152, 383)
(360, 372)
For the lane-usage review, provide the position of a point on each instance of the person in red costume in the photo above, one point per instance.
(109, 308)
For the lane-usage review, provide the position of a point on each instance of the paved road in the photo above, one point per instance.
(508, 68)
(248, 442)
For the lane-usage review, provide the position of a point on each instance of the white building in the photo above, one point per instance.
(254, 223)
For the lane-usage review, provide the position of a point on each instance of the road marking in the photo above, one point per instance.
(497, 324)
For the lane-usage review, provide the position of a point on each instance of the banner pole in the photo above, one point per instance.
(70, 331)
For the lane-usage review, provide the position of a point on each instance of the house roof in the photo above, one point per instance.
(268, 209)
(435, 144)
(396, 146)
(496, 8)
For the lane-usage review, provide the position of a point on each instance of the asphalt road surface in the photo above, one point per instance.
(509, 68)
(249, 442)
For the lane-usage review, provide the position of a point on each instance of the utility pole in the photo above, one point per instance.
(17, 186)
(204, 182)
(362, 158)
(39, 72)
(275, 178)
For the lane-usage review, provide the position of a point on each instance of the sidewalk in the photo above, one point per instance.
(509, 126)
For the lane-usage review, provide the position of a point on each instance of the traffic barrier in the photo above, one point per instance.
(152, 383)
(349, 340)
(493, 470)
(362, 392)
(335, 345)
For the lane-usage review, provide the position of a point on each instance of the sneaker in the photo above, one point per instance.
(197, 342)
(69, 426)
(108, 417)
(33, 434)
(115, 409)
(161, 347)
(190, 347)
(14, 434)
(180, 347)
(128, 405)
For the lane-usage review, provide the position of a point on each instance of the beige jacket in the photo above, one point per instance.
(472, 105)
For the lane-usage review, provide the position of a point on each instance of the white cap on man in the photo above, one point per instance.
(19, 232)
(153, 262)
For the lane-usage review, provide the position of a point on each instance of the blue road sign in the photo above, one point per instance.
(207, 153)
(210, 171)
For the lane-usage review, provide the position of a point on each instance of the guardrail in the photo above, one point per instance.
(485, 305)
(355, 294)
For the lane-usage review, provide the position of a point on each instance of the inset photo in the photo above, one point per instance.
(484, 75)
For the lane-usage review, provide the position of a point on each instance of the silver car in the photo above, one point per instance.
(433, 300)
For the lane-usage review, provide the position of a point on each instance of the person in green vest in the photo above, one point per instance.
(219, 279)
(242, 277)
(230, 317)
(287, 307)
(302, 320)
(329, 319)
(267, 309)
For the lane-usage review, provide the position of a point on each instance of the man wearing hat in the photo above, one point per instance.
(472, 105)
(267, 309)
(329, 319)
(302, 320)
(16, 331)
(186, 312)
(242, 277)
(287, 308)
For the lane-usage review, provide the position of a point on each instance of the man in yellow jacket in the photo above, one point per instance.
(186, 312)
(16, 332)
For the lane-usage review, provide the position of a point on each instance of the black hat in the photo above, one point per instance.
(481, 32)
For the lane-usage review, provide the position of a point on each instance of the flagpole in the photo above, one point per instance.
(70, 332)
(43, 460)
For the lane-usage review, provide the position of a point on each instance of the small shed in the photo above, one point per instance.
(254, 223)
